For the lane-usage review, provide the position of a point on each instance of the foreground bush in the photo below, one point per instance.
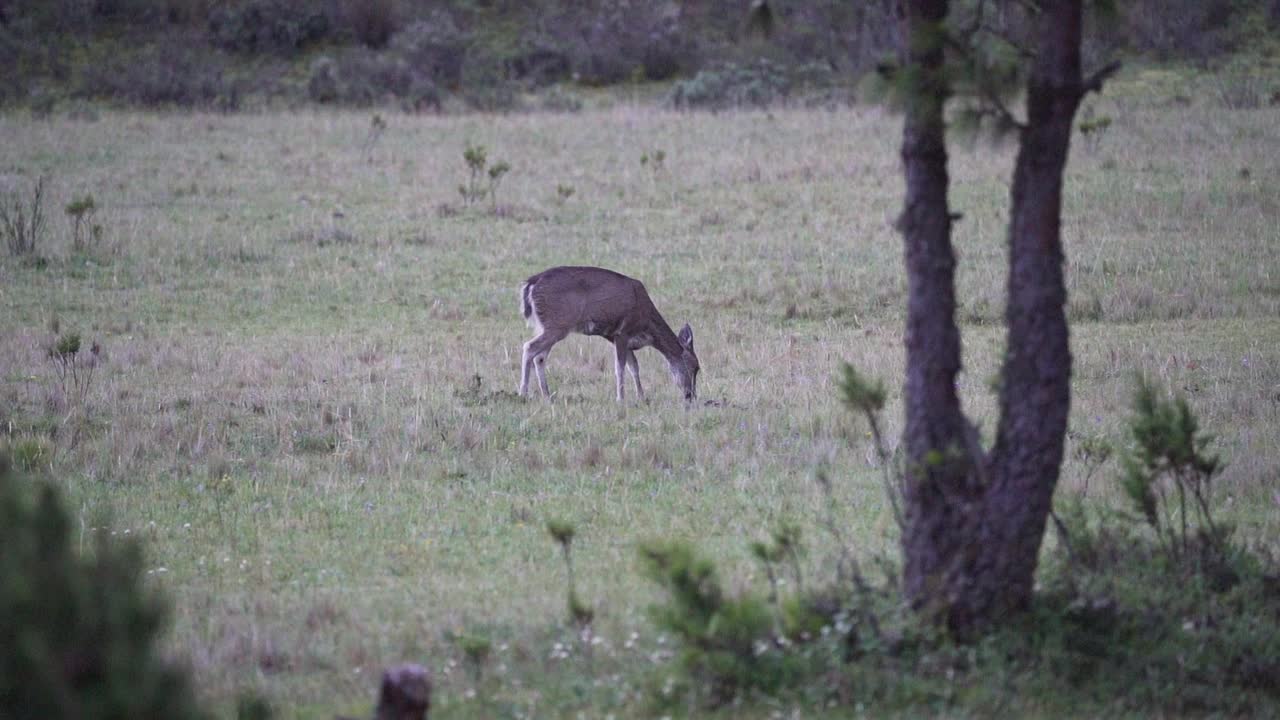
(1162, 611)
(77, 632)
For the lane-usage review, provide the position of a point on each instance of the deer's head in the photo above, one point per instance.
(684, 370)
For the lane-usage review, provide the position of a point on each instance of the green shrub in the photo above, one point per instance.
(1177, 28)
(616, 41)
(559, 100)
(74, 369)
(474, 190)
(173, 72)
(1122, 623)
(31, 454)
(486, 85)
(22, 219)
(434, 47)
(562, 532)
(1169, 473)
(759, 84)
(78, 634)
(81, 211)
(363, 78)
(1240, 89)
(371, 22)
(1123, 619)
(728, 646)
(50, 16)
(280, 27)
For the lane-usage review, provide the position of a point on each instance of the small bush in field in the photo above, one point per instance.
(1169, 473)
(476, 648)
(79, 634)
(73, 368)
(81, 211)
(22, 219)
(564, 192)
(580, 613)
(478, 167)
(784, 547)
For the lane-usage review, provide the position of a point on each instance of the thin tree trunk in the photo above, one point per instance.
(1035, 394)
(934, 422)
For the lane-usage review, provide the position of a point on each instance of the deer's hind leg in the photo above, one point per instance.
(535, 357)
(526, 364)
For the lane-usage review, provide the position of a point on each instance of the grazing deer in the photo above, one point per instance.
(595, 301)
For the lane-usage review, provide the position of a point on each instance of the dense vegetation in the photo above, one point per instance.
(79, 628)
(504, 54)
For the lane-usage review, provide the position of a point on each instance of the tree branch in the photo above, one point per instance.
(1094, 82)
(1023, 51)
(992, 104)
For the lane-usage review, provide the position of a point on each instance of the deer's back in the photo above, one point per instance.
(589, 300)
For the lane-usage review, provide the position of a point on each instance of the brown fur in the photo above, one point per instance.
(595, 301)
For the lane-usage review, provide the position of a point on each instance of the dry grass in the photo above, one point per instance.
(305, 403)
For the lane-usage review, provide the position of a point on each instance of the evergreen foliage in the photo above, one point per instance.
(78, 633)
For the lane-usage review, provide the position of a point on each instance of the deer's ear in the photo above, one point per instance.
(686, 336)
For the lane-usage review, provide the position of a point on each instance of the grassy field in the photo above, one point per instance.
(310, 345)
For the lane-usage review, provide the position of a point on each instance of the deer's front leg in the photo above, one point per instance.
(634, 367)
(526, 364)
(620, 353)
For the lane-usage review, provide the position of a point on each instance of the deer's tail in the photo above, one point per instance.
(526, 302)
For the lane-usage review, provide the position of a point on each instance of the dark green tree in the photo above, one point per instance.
(78, 633)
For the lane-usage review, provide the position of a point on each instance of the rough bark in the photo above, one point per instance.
(1035, 395)
(934, 421)
(975, 523)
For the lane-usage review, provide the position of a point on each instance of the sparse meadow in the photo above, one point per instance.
(309, 346)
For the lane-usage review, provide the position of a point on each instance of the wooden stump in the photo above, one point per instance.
(405, 693)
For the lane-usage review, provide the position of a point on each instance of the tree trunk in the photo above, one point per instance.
(934, 434)
(975, 523)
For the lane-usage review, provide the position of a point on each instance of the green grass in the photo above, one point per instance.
(306, 403)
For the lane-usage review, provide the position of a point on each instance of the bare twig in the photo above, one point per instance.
(1094, 82)
(883, 454)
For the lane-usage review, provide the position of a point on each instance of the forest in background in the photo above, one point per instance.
(504, 55)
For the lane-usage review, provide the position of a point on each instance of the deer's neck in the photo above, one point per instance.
(664, 339)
